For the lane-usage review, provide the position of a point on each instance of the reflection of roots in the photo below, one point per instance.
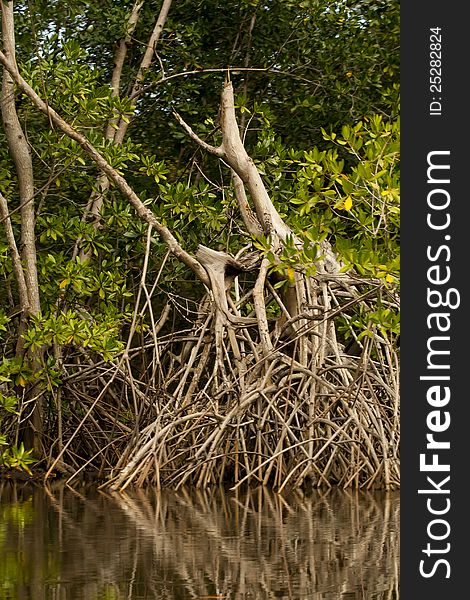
(238, 400)
(245, 544)
(249, 543)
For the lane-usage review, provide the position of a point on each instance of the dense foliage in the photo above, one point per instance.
(317, 98)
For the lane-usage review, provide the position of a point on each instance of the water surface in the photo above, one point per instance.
(63, 543)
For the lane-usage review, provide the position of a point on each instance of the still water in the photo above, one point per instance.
(63, 543)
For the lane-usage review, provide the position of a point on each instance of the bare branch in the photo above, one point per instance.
(211, 149)
(15, 255)
(233, 70)
(145, 64)
(117, 128)
(237, 157)
(119, 59)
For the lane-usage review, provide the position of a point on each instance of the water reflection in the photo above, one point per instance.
(74, 544)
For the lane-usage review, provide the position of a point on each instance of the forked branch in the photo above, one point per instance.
(233, 152)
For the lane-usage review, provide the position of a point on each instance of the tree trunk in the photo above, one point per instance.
(26, 273)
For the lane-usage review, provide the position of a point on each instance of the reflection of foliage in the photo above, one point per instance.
(109, 592)
(15, 517)
(19, 514)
